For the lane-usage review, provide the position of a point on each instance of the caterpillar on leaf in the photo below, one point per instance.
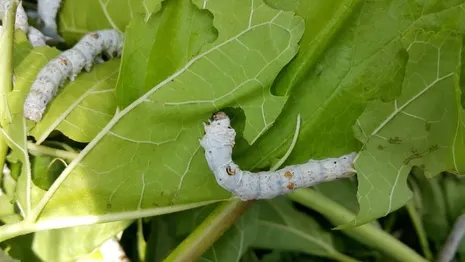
(69, 64)
(218, 143)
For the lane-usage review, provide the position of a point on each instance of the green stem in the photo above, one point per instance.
(6, 63)
(367, 234)
(6, 73)
(418, 224)
(210, 230)
(44, 150)
(343, 258)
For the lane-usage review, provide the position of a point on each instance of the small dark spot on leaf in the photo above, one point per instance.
(162, 193)
(109, 206)
(427, 127)
(434, 148)
(394, 140)
(380, 147)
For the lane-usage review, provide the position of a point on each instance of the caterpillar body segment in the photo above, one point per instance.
(218, 144)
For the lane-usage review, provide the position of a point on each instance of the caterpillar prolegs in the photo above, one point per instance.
(218, 144)
(68, 65)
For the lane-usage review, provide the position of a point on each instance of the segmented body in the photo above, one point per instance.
(68, 65)
(218, 143)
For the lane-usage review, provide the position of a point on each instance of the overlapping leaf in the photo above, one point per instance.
(148, 157)
(422, 127)
(161, 45)
(83, 107)
(16, 132)
(77, 18)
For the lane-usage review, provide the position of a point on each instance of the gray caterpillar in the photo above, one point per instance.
(218, 143)
(68, 65)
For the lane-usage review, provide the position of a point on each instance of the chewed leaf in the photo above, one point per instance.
(423, 127)
(83, 107)
(181, 30)
(100, 14)
(148, 158)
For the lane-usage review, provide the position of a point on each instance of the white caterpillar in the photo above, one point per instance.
(21, 22)
(68, 65)
(218, 143)
(48, 10)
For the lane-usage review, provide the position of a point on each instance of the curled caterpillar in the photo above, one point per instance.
(218, 143)
(68, 65)
(21, 22)
(48, 10)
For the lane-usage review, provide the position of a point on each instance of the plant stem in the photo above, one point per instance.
(367, 234)
(6, 73)
(342, 258)
(210, 230)
(417, 223)
(449, 249)
(44, 150)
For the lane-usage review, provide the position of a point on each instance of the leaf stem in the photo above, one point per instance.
(210, 230)
(367, 234)
(342, 257)
(418, 225)
(449, 249)
(6, 73)
(45, 150)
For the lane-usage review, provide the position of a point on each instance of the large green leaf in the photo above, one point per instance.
(77, 18)
(83, 107)
(421, 127)
(366, 61)
(148, 160)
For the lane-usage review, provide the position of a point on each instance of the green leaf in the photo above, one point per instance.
(162, 239)
(16, 132)
(45, 169)
(170, 39)
(284, 228)
(21, 248)
(129, 171)
(422, 127)
(332, 95)
(323, 20)
(234, 242)
(77, 18)
(74, 242)
(83, 107)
